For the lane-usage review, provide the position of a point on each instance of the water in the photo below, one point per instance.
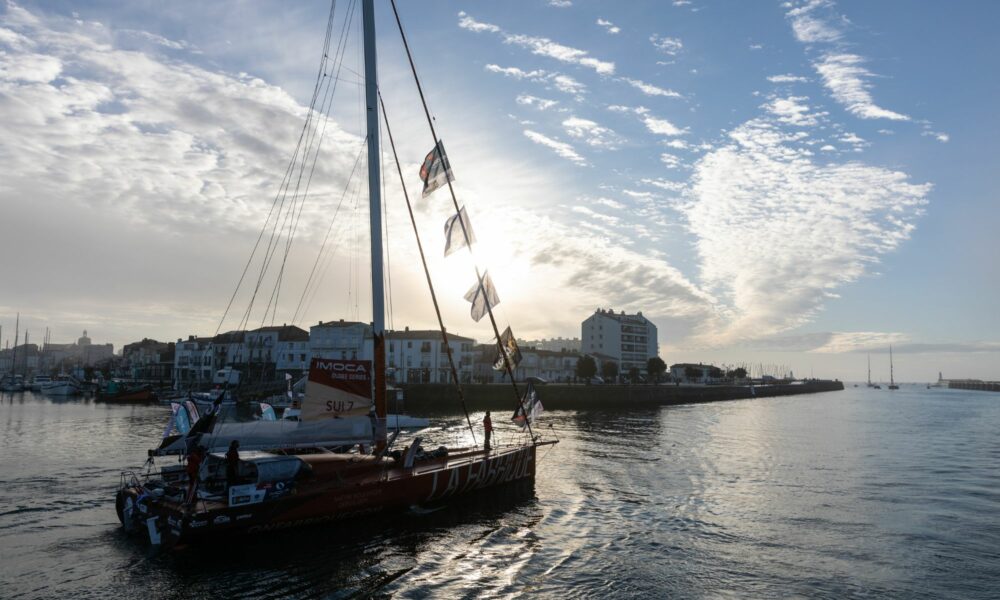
(853, 493)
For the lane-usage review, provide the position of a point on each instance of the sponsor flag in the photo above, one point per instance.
(436, 170)
(483, 296)
(454, 236)
(337, 388)
(509, 345)
(530, 409)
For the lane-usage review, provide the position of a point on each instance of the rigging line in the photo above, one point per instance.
(465, 233)
(288, 170)
(427, 274)
(328, 259)
(299, 151)
(293, 218)
(329, 229)
(325, 107)
(385, 237)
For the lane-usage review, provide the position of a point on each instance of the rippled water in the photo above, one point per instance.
(854, 493)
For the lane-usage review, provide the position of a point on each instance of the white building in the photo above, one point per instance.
(416, 356)
(193, 360)
(695, 373)
(630, 340)
(349, 340)
(558, 344)
(420, 356)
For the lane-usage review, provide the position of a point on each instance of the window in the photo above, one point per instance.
(302, 357)
(291, 357)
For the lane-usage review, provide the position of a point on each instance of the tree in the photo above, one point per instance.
(655, 367)
(586, 368)
(609, 370)
(738, 373)
(633, 374)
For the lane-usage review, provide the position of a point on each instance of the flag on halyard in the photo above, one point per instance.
(530, 409)
(509, 345)
(436, 170)
(454, 236)
(483, 296)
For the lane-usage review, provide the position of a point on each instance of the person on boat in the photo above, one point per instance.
(487, 431)
(232, 463)
(194, 471)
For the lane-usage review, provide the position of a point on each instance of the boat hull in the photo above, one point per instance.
(381, 490)
(145, 395)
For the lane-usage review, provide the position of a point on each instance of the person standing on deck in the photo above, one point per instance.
(487, 431)
(193, 470)
(232, 463)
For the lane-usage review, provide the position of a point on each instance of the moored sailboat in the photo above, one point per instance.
(892, 379)
(268, 474)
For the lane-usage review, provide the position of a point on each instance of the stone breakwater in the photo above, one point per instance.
(422, 398)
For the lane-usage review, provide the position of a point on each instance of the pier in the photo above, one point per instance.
(428, 397)
(974, 384)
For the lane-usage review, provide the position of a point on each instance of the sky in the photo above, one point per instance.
(789, 183)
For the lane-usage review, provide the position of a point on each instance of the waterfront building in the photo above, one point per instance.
(556, 366)
(149, 359)
(629, 340)
(193, 360)
(557, 344)
(419, 356)
(696, 373)
(348, 340)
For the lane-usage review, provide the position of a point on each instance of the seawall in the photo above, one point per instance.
(422, 398)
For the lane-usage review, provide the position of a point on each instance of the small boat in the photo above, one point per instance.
(337, 461)
(116, 391)
(12, 383)
(38, 381)
(63, 385)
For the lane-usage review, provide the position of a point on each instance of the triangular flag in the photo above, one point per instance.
(436, 170)
(483, 296)
(454, 236)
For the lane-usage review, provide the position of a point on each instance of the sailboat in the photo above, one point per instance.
(870, 384)
(892, 381)
(13, 381)
(337, 461)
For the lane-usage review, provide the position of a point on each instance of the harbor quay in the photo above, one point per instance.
(421, 398)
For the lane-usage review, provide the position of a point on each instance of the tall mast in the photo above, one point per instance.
(375, 207)
(869, 370)
(17, 333)
(892, 381)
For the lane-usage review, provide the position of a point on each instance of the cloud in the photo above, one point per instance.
(844, 76)
(666, 45)
(467, 22)
(671, 161)
(654, 124)
(650, 89)
(591, 133)
(939, 136)
(561, 82)
(777, 232)
(539, 103)
(540, 46)
(665, 184)
(561, 148)
(809, 28)
(516, 72)
(793, 111)
(561, 3)
(609, 26)
(787, 79)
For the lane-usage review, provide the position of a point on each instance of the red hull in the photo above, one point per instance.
(367, 491)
